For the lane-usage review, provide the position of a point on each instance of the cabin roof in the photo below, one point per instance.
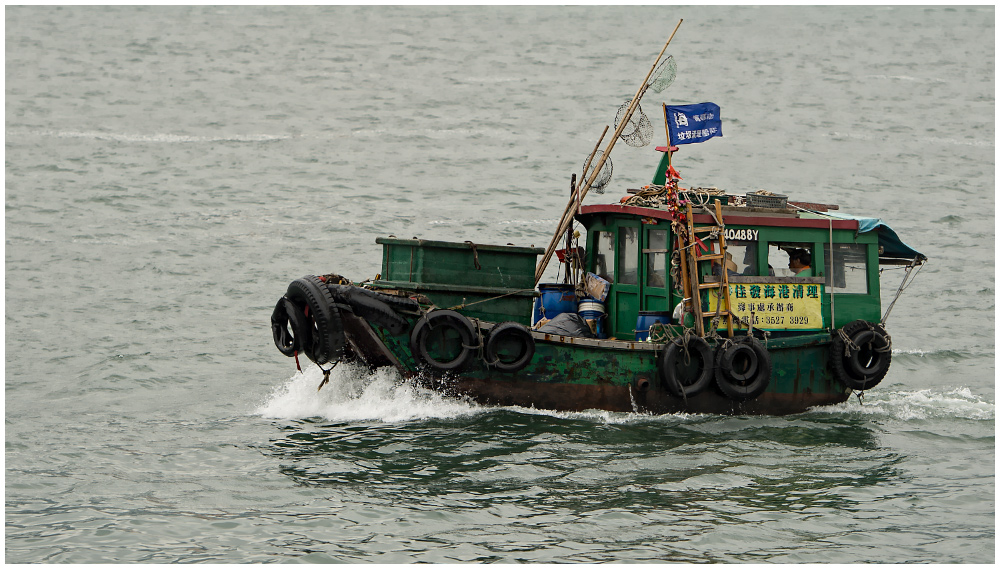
(892, 246)
(734, 218)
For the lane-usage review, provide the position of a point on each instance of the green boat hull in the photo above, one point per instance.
(575, 374)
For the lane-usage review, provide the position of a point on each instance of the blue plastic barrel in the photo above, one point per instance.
(555, 299)
(645, 320)
(592, 310)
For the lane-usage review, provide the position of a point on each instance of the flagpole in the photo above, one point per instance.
(571, 211)
(666, 127)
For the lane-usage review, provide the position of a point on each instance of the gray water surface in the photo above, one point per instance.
(170, 169)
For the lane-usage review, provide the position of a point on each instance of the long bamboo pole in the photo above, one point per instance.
(589, 159)
(571, 210)
(574, 197)
(575, 190)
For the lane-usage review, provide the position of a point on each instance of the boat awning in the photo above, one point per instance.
(893, 248)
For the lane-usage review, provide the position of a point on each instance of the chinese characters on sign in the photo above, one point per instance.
(688, 124)
(774, 306)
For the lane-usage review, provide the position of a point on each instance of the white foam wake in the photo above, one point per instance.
(355, 394)
(156, 137)
(494, 221)
(958, 403)
(906, 78)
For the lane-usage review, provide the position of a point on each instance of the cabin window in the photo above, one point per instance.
(790, 259)
(847, 268)
(629, 252)
(741, 257)
(604, 255)
(656, 263)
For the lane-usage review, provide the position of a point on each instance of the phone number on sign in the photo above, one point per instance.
(778, 320)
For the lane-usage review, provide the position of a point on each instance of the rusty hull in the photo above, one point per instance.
(577, 374)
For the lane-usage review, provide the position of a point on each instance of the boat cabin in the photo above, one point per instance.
(789, 270)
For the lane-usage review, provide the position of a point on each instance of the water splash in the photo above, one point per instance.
(355, 394)
(958, 403)
(603, 417)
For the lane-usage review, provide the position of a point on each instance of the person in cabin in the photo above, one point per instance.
(799, 262)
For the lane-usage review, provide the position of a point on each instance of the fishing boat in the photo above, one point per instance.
(673, 299)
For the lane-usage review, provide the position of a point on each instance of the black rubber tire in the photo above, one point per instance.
(370, 306)
(286, 341)
(863, 367)
(434, 326)
(505, 334)
(737, 380)
(737, 362)
(873, 359)
(326, 330)
(394, 302)
(674, 356)
(301, 325)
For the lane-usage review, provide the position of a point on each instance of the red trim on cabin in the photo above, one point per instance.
(730, 218)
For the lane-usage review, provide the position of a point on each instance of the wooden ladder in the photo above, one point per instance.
(693, 286)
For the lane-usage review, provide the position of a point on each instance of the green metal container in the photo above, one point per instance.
(490, 282)
(472, 264)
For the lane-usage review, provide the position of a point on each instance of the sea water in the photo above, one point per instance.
(170, 169)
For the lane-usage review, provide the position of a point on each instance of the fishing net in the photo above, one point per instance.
(639, 131)
(603, 177)
(664, 75)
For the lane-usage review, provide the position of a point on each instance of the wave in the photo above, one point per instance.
(164, 138)
(464, 222)
(489, 79)
(154, 138)
(355, 394)
(433, 133)
(939, 355)
(957, 403)
(981, 142)
(906, 78)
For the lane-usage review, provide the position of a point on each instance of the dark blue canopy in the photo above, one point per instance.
(892, 246)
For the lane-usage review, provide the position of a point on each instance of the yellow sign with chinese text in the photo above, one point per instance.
(770, 306)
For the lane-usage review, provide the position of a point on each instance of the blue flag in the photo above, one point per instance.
(693, 123)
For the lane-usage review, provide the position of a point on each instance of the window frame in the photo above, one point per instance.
(829, 269)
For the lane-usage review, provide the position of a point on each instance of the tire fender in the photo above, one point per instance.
(743, 368)
(509, 334)
(862, 362)
(289, 327)
(395, 302)
(370, 306)
(443, 328)
(674, 366)
(326, 331)
(286, 341)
